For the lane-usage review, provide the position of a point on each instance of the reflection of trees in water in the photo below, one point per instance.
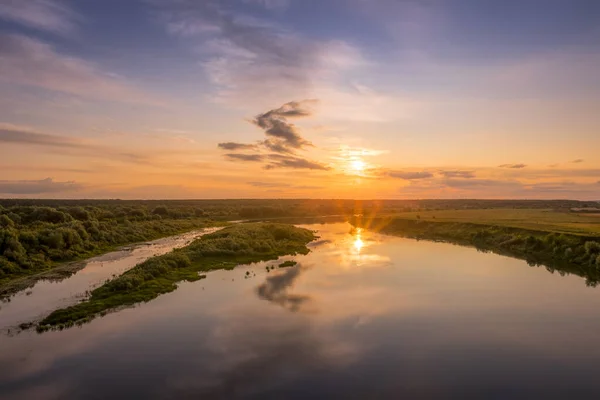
(275, 289)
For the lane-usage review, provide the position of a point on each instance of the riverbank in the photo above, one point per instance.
(225, 249)
(565, 253)
(32, 260)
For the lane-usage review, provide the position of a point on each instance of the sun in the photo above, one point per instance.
(358, 165)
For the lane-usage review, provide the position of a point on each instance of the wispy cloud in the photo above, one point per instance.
(479, 183)
(270, 4)
(578, 161)
(287, 186)
(245, 157)
(18, 135)
(46, 15)
(458, 174)
(409, 175)
(33, 187)
(249, 59)
(21, 136)
(27, 61)
(281, 161)
(232, 146)
(268, 184)
(513, 166)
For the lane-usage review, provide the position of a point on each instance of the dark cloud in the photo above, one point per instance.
(232, 146)
(407, 175)
(277, 146)
(37, 187)
(279, 161)
(513, 166)
(275, 289)
(458, 174)
(283, 139)
(276, 125)
(245, 157)
(578, 161)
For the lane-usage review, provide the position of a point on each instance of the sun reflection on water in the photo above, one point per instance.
(358, 242)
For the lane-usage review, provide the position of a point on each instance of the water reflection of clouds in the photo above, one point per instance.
(250, 349)
(275, 289)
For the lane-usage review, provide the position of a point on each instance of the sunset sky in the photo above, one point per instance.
(396, 99)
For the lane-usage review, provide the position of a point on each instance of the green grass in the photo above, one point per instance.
(546, 220)
(225, 249)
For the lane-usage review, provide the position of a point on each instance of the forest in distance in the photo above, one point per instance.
(36, 235)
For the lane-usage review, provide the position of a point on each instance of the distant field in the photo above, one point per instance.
(536, 219)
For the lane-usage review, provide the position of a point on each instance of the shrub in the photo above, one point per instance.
(6, 222)
(592, 248)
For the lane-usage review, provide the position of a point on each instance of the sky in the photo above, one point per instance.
(365, 99)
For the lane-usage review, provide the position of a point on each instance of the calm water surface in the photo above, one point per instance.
(362, 316)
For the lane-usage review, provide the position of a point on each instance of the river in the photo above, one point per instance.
(363, 315)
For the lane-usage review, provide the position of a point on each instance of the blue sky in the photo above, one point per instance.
(131, 98)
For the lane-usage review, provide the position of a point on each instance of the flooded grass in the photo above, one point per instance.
(225, 249)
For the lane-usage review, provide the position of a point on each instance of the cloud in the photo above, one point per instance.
(277, 146)
(37, 187)
(407, 175)
(276, 125)
(250, 59)
(458, 174)
(270, 4)
(21, 136)
(283, 139)
(275, 290)
(27, 61)
(578, 161)
(232, 146)
(17, 135)
(513, 166)
(268, 184)
(479, 183)
(283, 185)
(46, 15)
(245, 157)
(279, 161)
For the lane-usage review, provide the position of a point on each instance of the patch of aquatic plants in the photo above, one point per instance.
(287, 264)
(565, 253)
(224, 249)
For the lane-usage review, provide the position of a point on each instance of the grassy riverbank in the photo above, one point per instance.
(577, 254)
(225, 249)
(38, 237)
